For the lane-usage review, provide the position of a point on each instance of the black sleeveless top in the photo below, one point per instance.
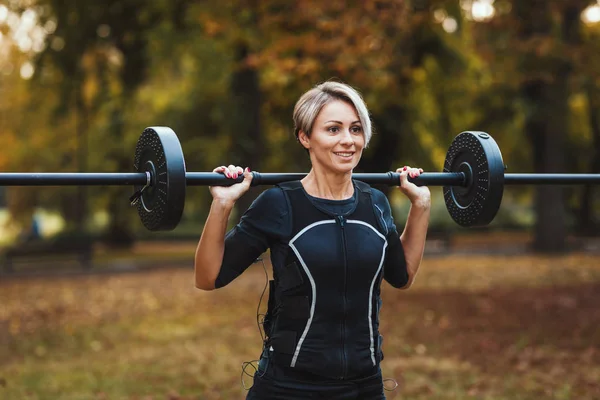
(329, 258)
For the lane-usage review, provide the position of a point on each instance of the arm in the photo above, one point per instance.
(211, 246)
(415, 232)
(222, 257)
(405, 251)
(414, 235)
(395, 271)
(209, 253)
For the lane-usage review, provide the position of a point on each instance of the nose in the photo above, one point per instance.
(347, 138)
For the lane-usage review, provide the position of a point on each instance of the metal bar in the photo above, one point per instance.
(385, 178)
(72, 179)
(216, 179)
(551, 179)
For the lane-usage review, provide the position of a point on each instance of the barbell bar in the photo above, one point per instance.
(206, 178)
(473, 179)
(216, 179)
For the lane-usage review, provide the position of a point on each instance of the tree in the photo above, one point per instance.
(536, 44)
(105, 48)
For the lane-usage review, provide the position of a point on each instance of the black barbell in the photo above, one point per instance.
(473, 179)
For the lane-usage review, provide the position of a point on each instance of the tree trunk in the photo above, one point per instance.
(245, 120)
(119, 233)
(547, 143)
(82, 126)
(386, 142)
(73, 202)
(129, 33)
(587, 225)
(393, 122)
(545, 91)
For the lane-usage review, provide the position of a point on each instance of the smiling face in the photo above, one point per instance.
(337, 139)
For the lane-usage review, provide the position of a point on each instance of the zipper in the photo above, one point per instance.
(342, 221)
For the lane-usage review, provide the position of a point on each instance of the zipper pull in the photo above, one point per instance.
(341, 220)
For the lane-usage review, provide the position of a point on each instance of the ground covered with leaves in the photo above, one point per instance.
(481, 327)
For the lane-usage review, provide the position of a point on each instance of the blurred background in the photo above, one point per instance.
(93, 306)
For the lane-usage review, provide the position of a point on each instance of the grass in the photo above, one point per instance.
(472, 327)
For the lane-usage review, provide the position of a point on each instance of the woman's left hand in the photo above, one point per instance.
(416, 194)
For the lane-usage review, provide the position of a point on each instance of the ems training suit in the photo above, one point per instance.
(328, 258)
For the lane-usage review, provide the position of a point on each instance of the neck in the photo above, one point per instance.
(328, 185)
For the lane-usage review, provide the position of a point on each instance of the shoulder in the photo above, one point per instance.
(267, 216)
(274, 194)
(382, 206)
(378, 197)
(270, 201)
(383, 210)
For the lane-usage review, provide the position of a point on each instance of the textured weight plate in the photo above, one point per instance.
(479, 157)
(161, 204)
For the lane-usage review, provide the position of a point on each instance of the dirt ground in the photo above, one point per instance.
(472, 327)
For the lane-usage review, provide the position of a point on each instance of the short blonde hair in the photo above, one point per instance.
(310, 104)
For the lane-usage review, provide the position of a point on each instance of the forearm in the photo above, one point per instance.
(209, 253)
(414, 235)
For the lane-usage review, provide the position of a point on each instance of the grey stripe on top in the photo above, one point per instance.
(370, 313)
(312, 284)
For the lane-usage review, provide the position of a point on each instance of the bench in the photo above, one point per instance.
(63, 247)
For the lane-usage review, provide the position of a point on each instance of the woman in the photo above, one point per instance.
(332, 241)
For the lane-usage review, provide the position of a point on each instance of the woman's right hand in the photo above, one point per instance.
(228, 195)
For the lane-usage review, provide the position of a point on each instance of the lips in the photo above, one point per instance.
(344, 154)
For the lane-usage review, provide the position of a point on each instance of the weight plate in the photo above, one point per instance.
(478, 156)
(159, 152)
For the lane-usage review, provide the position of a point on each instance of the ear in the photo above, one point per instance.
(304, 139)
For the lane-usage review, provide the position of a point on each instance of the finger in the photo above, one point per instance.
(238, 171)
(403, 178)
(247, 177)
(223, 170)
(232, 171)
(399, 170)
